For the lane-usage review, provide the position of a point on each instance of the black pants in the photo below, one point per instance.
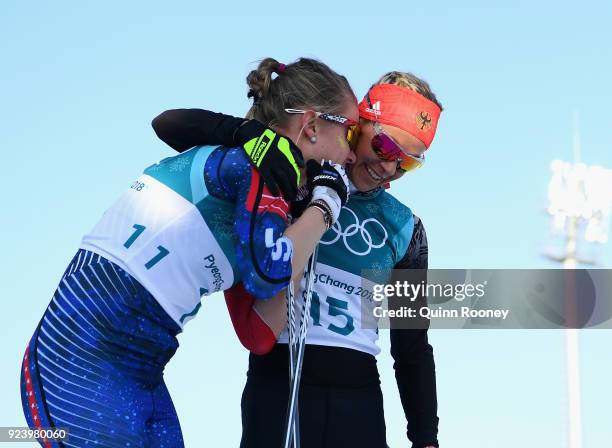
(336, 410)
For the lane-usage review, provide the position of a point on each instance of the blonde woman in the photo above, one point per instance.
(191, 225)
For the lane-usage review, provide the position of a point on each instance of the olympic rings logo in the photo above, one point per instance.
(352, 230)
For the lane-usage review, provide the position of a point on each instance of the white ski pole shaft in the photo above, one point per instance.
(292, 432)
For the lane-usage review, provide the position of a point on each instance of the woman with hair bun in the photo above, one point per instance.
(190, 225)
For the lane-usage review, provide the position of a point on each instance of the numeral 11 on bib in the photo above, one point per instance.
(138, 229)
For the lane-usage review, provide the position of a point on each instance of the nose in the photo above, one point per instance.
(350, 158)
(388, 167)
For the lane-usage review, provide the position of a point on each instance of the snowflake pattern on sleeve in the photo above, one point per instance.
(416, 256)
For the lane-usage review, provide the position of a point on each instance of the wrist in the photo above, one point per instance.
(331, 198)
(325, 211)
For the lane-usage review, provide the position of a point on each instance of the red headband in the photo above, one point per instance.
(403, 108)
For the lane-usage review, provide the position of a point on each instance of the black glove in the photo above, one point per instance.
(301, 201)
(277, 158)
(329, 175)
(328, 183)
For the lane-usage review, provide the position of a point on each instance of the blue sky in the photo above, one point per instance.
(80, 84)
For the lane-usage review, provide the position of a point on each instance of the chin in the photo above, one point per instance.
(362, 180)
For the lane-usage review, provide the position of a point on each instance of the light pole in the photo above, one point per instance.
(579, 204)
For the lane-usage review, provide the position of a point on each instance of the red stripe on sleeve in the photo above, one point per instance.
(33, 407)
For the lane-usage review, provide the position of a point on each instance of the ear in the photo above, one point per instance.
(308, 120)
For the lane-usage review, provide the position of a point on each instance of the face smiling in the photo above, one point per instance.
(369, 171)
